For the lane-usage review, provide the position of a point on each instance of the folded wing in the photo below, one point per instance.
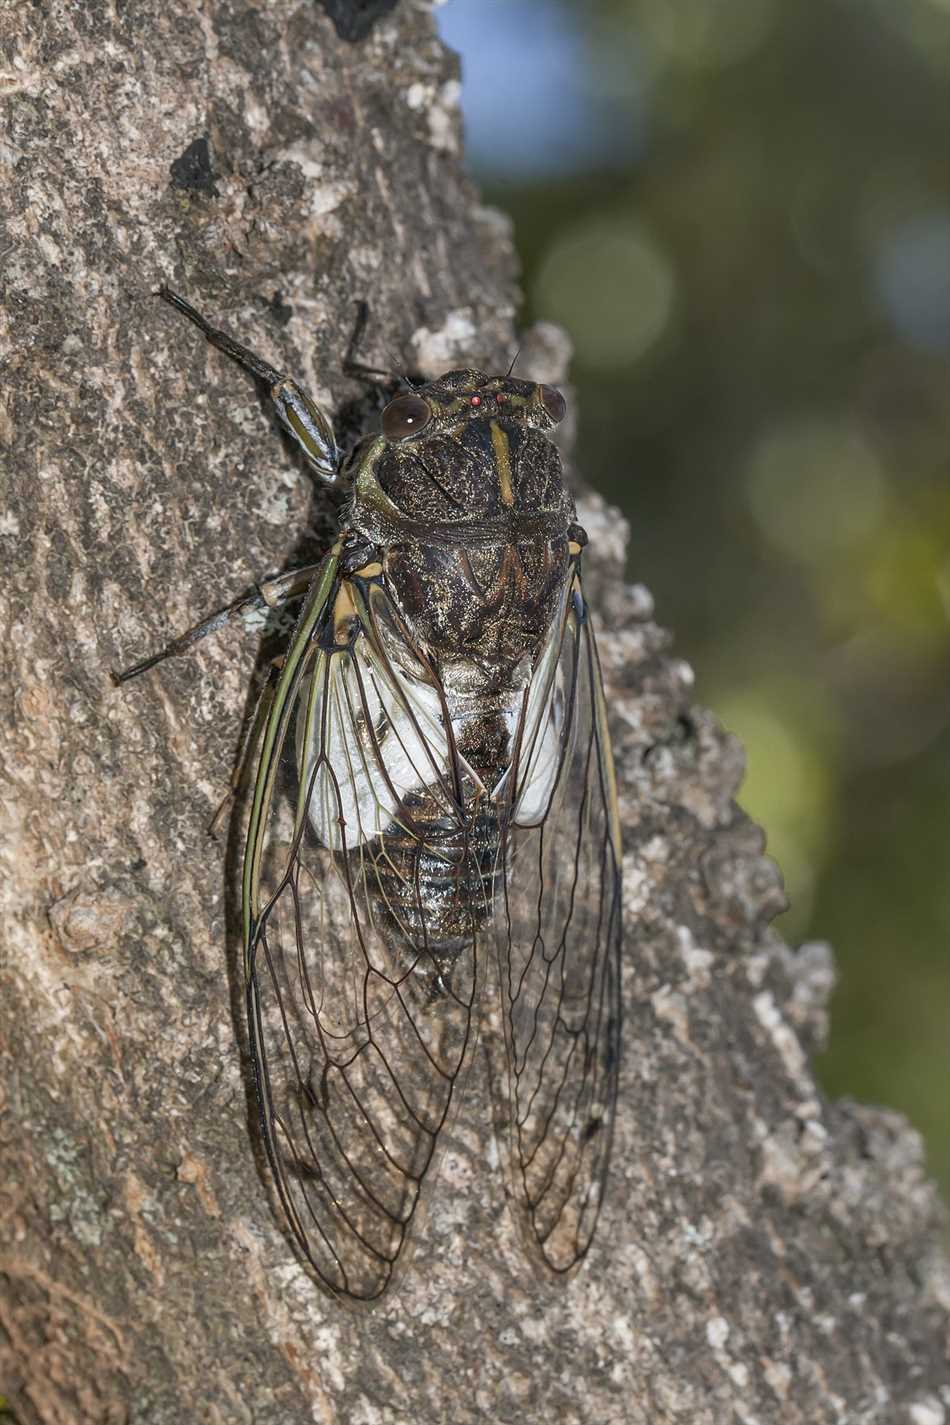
(558, 931)
(359, 1038)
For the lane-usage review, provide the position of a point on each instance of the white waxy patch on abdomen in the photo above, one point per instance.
(376, 752)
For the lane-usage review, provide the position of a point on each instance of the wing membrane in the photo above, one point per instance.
(361, 1015)
(559, 942)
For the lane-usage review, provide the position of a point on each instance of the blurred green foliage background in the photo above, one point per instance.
(740, 211)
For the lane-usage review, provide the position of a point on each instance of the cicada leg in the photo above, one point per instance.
(310, 427)
(373, 374)
(269, 595)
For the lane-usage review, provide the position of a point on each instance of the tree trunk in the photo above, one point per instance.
(764, 1255)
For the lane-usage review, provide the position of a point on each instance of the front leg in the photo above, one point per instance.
(313, 432)
(310, 427)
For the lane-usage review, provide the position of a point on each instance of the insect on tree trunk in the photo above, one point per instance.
(763, 1255)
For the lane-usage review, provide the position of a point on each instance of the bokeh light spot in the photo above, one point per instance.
(610, 284)
(902, 581)
(816, 487)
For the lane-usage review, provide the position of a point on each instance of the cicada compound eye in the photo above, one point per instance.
(553, 402)
(405, 416)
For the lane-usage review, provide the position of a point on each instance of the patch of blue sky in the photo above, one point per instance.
(529, 91)
(912, 278)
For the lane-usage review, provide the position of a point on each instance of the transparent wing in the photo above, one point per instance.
(558, 930)
(364, 908)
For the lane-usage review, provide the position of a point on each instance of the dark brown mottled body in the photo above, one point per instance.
(473, 522)
(472, 526)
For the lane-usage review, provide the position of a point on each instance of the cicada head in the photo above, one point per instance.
(463, 396)
(465, 448)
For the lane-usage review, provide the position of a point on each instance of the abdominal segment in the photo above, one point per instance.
(433, 879)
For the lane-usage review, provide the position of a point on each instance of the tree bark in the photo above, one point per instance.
(764, 1255)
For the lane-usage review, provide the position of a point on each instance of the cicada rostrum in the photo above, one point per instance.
(434, 813)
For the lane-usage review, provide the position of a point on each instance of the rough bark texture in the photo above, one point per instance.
(765, 1256)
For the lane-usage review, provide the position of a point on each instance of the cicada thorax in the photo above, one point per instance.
(480, 610)
(473, 526)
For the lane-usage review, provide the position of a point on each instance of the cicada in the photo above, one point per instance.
(433, 821)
